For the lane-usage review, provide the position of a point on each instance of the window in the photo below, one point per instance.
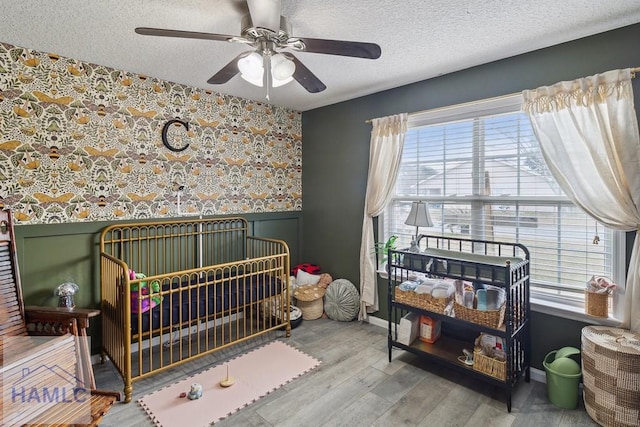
(480, 169)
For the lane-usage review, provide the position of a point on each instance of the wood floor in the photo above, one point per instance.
(357, 386)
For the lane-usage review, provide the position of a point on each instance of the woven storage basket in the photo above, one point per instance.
(490, 318)
(611, 375)
(596, 304)
(311, 310)
(309, 301)
(424, 301)
(489, 366)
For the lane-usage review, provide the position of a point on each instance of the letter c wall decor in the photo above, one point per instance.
(173, 137)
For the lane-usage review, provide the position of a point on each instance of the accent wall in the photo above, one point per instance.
(81, 142)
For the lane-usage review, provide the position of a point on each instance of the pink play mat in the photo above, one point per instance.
(256, 374)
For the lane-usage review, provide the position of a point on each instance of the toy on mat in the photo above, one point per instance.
(228, 381)
(195, 392)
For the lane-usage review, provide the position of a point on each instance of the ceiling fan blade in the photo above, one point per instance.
(304, 76)
(265, 13)
(340, 47)
(240, 7)
(227, 72)
(146, 31)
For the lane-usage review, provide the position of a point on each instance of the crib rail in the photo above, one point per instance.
(166, 246)
(116, 314)
(226, 287)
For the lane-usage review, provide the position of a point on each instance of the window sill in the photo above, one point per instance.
(557, 309)
(568, 312)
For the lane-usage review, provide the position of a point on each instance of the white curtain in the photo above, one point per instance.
(588, 133)
(387, 140)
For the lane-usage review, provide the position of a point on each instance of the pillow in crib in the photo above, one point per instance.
(142, 288)
(304, 278)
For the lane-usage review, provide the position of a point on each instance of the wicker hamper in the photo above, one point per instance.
(611, 375)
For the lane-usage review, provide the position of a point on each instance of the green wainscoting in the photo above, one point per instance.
(51, 254)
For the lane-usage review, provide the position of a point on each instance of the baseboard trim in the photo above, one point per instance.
(376, 321)
(536, 374)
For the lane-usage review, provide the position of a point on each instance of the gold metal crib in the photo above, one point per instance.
(176, 290)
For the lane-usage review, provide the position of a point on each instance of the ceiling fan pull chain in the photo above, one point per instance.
(266, 73)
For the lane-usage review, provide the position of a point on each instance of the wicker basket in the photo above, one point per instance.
(310, 301)
(489, 366)
(610, 374)
(490, 318)
(596, 304)
(424, 301)
(311, 310)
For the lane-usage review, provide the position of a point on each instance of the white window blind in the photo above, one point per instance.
(480, 169)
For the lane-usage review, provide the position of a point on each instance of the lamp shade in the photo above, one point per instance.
(419, 215)
(282, 68)
(251, 68)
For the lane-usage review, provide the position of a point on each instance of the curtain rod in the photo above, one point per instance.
(633, 76)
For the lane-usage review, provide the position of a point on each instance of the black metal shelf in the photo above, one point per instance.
(449, 262)
(500, 332)
(445, 351)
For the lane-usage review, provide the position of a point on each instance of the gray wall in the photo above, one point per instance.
(336, 149)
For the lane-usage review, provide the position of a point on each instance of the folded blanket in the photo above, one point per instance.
(408, 285)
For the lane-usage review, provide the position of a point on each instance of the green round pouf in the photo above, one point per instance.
(342, 301)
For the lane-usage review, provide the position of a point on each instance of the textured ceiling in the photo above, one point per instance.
(419, 39)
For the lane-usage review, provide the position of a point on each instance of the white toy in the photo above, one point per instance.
(195, 392)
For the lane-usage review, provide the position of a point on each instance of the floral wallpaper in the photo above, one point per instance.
(82, 142)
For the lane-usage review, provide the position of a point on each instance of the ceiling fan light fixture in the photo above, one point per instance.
(282, 68)
(255, 82)
(266, 31)
(277, 83)
(251, 69)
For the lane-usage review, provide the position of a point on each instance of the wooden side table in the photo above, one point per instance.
(64, 314)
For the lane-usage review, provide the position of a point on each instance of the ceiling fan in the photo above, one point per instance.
(267, 32)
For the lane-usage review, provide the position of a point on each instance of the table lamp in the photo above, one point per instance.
(418, 217)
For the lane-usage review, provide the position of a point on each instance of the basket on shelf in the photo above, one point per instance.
(596, 304)
(424, 301)
(488, 365)
(490, 318)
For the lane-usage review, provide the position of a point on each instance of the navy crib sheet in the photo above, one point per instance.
(206, 300)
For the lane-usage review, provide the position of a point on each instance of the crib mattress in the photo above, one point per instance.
(207, 299)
